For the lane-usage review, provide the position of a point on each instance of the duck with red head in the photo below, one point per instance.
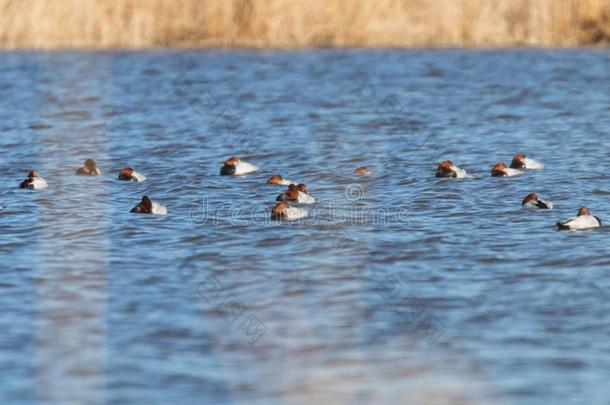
(128, 174)
(283, 211)
(522, 162)
(234, 166)
(296, 193)
(584, 220)
(278, 180)
(88, 169)
(501, 170)
(147, 206)
(532, 201)
(450, 170)
(34, 182)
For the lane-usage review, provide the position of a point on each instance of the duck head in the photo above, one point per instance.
(275, 180)
(518, 162)
(445, 169)
(126, 173)
(229, 167)
(531, 197)
(90, 165)
(293, 193)
(279, 210)
(499, 170)
(145, 206)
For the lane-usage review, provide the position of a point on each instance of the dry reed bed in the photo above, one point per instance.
(302, 23)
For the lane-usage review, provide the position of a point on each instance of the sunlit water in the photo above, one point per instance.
(399, 288)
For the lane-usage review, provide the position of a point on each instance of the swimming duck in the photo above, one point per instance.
(235, 167)
(532, 201)
(34, 182)
(500, 170)
(296, 193)
(584, 220)
(523, 162)
(448, 169)
(288, 213)
(128, 174)
(279, 181)
(363, 171)
(89, 169)
(147, 206)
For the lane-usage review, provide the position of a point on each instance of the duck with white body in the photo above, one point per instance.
(523, 162)
(501, 170)
(234, 166)
(283, 211)
(129, 174)
(450, 170)
(296, 193)
(34, 182)
(147, 206)
(584, 220)
(533, 201)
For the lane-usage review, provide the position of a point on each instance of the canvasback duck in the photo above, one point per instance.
(584, 220)
(128, 174)
(283, 211)
(448, 169)
(363, 171)
(33, 182)
(89, 169)
(234, 166)
(521, 161)
(297, 193)
(147, 206)
(279, 181)
(501, 170)
(532, 201)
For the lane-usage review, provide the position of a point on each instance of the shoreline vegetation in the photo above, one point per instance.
(135, 24)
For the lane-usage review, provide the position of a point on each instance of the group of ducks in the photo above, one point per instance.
(298, 193)
(520, 163)
(295, 193)
(146, 206)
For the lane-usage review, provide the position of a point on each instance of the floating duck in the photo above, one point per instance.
(448, 169)
(89, 169)
(501, 170)
(363, 171)
(532, 201)
(584, 220)
(128, 174)
(296, 193)
(523, 162)
(34, 182)
(283, 211)
(147, 206)
(235, 167)
(279, 181)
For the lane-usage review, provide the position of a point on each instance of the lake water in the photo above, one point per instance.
(399, 288)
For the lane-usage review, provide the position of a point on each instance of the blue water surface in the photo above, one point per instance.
(399, 288)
